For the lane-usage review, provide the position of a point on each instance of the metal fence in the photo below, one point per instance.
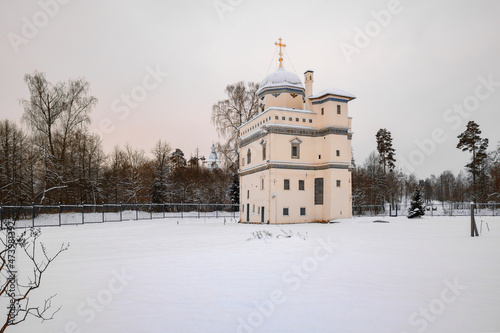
(49, 216)
(433, 209)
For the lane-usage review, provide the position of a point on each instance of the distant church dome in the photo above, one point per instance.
(213, 161)
(281, 81)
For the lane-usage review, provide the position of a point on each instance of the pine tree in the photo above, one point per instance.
(416, 206)
(385, 150)
(470, 141)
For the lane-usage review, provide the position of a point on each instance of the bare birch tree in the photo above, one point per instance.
(241, 105)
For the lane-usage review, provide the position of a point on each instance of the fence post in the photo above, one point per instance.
(121, 208)
(33, 214)
(473, 228)
(83, 213)
(136, 212)
(199, 208)
(102, 210)
(60, 214)
(216, 212)
(1, 217)
(182, 210)
(150, 211)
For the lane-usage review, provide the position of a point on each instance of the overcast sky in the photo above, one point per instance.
(419, 68)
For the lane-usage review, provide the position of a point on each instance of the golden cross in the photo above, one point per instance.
(280, 44)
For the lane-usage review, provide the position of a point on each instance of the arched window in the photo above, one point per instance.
(249, 156)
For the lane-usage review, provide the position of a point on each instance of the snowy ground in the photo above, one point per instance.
(423, 275)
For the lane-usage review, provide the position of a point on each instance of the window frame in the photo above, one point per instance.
(319, 190)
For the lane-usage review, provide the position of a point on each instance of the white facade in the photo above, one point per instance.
(295, 155)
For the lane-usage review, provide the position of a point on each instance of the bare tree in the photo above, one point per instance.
(14, 163)
(241, 105)
(18, 289)
(56, 114)
(44, 107)
(76, 109)
(136, 162)
(159, 185)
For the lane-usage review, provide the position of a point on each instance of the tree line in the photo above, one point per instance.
(377, 182)
(58, 160)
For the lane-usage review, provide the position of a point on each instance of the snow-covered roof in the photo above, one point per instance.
(281, 78)
(332, 91)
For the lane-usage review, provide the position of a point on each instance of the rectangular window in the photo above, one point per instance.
(295, 151)
(322, 111)
(290, 119)
(285, 211)
(276, 117)
(302, 211)
(283, 118)
(338, 109)
(248, 194)
(263, 152)
(301, 185)
(303, 120)
(310, 121)
(286, 184)
(319, 157)
(297, 119)
(338, 152)
(242, 161)
(253, 209)
(318, 191)
(338, 183)
(242, 208)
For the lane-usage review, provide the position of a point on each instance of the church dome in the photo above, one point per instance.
(281, 80)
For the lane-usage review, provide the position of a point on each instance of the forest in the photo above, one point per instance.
(377, 181)
(58, 160)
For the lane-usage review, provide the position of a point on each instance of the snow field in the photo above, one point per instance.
(425, 275)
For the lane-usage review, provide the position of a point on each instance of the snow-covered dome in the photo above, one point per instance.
(279, 80)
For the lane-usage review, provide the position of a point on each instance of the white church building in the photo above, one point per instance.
(295, 154)
(213, 161)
